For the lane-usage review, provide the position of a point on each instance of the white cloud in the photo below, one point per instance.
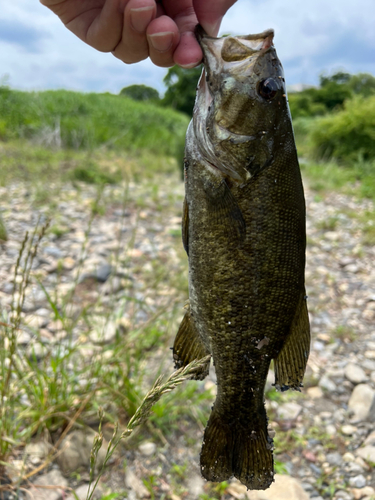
(310, 37)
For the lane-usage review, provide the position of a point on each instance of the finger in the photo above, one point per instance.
(133, 46)
(163, 37)
(188, 52)
(96, 22)
(210, 13)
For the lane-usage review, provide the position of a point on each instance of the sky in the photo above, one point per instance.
(313, 36)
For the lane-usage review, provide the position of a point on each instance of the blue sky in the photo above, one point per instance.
(37, 52)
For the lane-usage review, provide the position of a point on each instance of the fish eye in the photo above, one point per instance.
(268, 88)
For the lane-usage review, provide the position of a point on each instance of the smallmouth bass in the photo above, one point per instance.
(244, 233)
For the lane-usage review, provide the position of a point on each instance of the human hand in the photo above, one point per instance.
(136, 29)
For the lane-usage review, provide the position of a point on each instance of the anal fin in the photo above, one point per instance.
(290, 364)
(188, 346)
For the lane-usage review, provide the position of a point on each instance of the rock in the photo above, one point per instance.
(367, 453)
(76, 451)
(348, 457)
(105, 331)
(284, 488)
(348, 430)
(331, 430)
(343, 495)
(133, 482)
(315, 392)
(366, 491)
(52, 478)
(289, 411)
(101, 274)
(355, 374)
(147, 448)
(82, 490)
(195, 484)
(38, 450)
(362, 402)
(370, 439)
(327, 384)
(370, 354)
(357, 481)
(334, 458)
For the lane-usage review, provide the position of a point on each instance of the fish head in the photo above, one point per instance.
(241, 103)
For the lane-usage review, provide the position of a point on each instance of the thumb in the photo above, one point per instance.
(210, 13)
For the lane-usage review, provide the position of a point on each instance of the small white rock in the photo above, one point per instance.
(358, 481)
(348, 430)
(147, 448)
(355, 374)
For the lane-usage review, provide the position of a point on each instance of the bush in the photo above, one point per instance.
(140, 93)
(85, 121)
(347, 134)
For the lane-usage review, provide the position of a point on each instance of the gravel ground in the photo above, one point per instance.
(325, 435)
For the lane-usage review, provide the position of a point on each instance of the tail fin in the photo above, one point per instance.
(233, 450)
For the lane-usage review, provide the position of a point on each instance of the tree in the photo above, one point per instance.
(181, 88)
(363, 84)
(140, 93)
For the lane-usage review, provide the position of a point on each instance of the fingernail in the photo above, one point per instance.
(141, 18)
(212, 29)
(189, 66)
(161, 41)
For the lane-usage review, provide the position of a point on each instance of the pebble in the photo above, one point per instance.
(315, 392)
(367, 453)
(358, 481)
(52, 478)
(289, 411)
(326, 383)
(147, 448)
(355, 374)
(362, 403)
(348, 430)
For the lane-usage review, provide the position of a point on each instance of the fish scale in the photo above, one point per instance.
(244, 232)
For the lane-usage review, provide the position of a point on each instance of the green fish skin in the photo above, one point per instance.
(244, 232)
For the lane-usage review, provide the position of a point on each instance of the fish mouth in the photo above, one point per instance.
(219, 51)
(226, 55)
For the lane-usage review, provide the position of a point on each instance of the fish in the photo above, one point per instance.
(244, 232)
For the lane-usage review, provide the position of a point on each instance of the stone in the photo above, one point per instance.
(367, 453)
(105, 331)
(289, 411)
(76, 450)
(343, 495)
(348, 430)
(366, 491)
(326, 383)
(370, 439)
(147, 448)
(315, 392)
(284, 488)
(133, 482)
(334, 458)
(355, 374)
(358, 481)
(362, 403)
(195, 484)
(52, 478)
(39, 449)
(370, 354)
(82, 490)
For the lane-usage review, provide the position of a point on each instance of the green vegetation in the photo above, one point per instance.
(181, 88)
(86, 121)
(140, 93)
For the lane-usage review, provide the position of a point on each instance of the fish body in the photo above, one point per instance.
(244, 232)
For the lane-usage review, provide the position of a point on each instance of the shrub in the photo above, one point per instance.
(348, 134)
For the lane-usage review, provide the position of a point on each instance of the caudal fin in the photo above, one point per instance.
(233, 450)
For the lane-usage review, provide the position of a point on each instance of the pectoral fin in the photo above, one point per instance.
(188, 346)
(225, 211)
(291, 362)
(185, 226)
